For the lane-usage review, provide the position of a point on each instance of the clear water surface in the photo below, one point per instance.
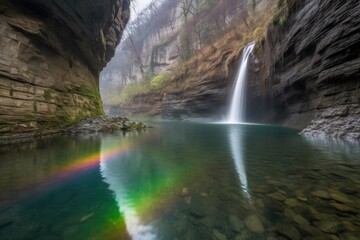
(181, 181)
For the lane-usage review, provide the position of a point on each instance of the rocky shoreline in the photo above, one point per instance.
(104, 124)
(341, 122)
(99, 124)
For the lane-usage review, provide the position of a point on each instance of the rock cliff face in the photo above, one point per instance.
(313, 56)
(202, 90)
(306, 74)
(204, 97)
(198, 87)
(51, 54)
(155, 53)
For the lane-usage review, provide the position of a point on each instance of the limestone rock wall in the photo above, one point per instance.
(312, 60)
(51, 54)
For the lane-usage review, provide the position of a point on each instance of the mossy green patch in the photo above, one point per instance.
(132, 90)
(133, 126)
(94, 95)
(158, 81)
(47, 95)
(281, 11)
(82, 90)
(259, 31)
(62, 117)
(281, 21)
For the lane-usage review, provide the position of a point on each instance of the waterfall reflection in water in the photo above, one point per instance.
(181, 181)
(115, 174)
(237, 148)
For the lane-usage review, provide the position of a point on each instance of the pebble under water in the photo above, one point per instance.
(181, 181)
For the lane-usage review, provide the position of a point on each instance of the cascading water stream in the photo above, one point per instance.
(237, 108)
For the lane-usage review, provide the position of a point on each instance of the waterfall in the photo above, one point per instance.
(237, 108)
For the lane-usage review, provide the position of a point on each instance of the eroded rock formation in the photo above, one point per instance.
(51, 54)
(313, 59)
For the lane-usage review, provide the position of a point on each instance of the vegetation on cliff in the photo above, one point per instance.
(210, 34)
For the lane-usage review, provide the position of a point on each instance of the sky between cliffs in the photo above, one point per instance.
(138, 6)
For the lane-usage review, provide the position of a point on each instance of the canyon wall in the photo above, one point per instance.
(51, 54)
(151, 51)
(194, 87)
(304, 74)
(312, 67)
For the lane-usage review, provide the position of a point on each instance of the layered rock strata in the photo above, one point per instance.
(312, 58)
(51, 54)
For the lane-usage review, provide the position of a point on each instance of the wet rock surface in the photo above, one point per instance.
(312, 67)
(103, 124)
(100, 124)
(338, 122)
(203, 100)
(254, 224)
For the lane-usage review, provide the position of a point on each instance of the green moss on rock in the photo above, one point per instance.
(47, 95)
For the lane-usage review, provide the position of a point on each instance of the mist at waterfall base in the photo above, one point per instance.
(237, 109)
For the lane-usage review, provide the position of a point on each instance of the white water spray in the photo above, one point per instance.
(237, 108)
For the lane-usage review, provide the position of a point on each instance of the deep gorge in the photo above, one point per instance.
(301, 71)
(249, 110)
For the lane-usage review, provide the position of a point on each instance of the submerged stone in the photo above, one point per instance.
(344, 208)
(204, 194)
(84, 218)
(277, 196)
(254, 224)
(236, 223)
(271, 238)
(218, 235)
(288, 231)
(302, 199)
(295, 217)
(208, 221)
(260, 203)
(321, 194)
(329, 226)
(349, 190)
(263, 189)
(244, 235)
(339, 197)
(273, 205)
(198, 208)
(184, 192)
(350, 235)
(291, 202)
(181, 224)
(310, 230)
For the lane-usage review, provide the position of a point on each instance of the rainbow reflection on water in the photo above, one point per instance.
(142, 203)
